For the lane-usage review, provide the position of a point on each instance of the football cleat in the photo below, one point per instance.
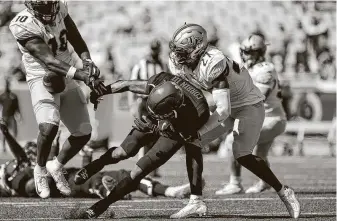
(229, 189)
(258, 187)
(58, 176)
(41, 183)
(193, 208)
(289, 199)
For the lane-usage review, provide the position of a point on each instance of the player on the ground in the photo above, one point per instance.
(43, 32)
(239, 104)
(252, 51)
(176, 111)
(16, 176)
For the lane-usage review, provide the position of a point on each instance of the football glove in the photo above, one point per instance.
(145, 125)
(90, 66)
(166, 129)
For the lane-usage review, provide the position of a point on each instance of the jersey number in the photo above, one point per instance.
(22, 18)
(63, 42)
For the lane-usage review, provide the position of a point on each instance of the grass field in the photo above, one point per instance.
(313, 178)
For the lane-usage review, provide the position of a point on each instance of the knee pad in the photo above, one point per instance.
(48, 130)
(82, 130)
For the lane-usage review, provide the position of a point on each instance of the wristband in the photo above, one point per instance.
(71, 72)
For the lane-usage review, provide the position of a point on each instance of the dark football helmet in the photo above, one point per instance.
(164, 100)
(45, 11)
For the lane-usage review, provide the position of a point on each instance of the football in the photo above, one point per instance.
(54, 83)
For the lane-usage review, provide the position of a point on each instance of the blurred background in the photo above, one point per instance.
(302, 46)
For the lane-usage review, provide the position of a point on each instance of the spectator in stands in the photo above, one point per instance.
(299, 45)
(213, 38)
(146, 68)
(10, 110)
(315, 28)
(279, 47)
(115, 75)
(258, 31)
(6, 13)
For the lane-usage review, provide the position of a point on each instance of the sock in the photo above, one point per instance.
(56, 164)
(235, 180)
(195, 197)
(260, 168)
(40, 169)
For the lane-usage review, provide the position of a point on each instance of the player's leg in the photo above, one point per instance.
(74, 115)
(46, 110)
(246, 136)
(234, 185)
(14, 146)
(160, 153)
(272, 127)
(194, 165)
(129, 148)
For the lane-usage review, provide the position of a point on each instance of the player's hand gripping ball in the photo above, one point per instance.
(54, 83)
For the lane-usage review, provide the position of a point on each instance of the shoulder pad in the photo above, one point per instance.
(214, 63)
(63, 8)
(264, 72)
(24, 26)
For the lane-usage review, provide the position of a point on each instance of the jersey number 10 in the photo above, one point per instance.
(63, 42)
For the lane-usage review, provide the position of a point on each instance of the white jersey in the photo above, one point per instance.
(211, 65)
(264, 75)
(25, 26)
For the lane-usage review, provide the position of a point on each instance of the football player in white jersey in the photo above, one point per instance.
(252, 52)
(239, 106)
(43, 32)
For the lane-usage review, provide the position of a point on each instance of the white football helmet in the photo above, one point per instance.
(188, 43)
(253, 50)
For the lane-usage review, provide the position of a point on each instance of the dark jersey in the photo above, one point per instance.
(194, 112)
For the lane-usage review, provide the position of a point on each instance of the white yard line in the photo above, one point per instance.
(67, 203)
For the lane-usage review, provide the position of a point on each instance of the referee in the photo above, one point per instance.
(143, 70)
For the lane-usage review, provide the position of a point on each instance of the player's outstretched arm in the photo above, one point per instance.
(40, 50)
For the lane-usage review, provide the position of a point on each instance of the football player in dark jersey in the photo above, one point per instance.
(176, 110)
(17, 179)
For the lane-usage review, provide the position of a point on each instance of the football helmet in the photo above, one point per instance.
(252, 50)
(188, 43)
(45, 11)
(164, 100)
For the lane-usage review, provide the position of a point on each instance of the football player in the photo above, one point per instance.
(175, 112)
(252, 52)
(239, 104)
(44, 32)
(16, 176)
